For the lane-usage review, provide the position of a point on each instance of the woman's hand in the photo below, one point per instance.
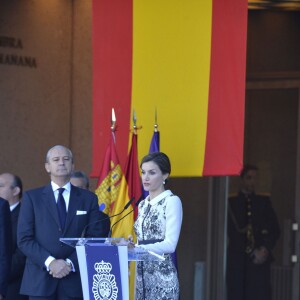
(130, 244)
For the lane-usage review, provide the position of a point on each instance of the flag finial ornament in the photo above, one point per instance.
(155, 121)
(113, 120)
(134, 119)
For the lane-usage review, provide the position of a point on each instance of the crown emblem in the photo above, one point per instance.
(104, 283)
(103, 267)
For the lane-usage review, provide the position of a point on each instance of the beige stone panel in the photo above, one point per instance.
(35, 102)
(81, 118)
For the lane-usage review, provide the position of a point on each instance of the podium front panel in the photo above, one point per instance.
(105, 272)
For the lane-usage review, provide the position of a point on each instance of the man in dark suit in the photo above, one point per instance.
(11, 191)
(252, 234)
(5, 246)
(58, 210)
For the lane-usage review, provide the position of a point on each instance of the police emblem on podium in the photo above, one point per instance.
(104, 283)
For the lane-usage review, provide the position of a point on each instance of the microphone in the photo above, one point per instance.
(135, 205)
(110, 232)
(140, 200)
(128, 203)
(108, 217)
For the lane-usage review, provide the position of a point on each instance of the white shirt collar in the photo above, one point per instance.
(12, 207)
(55, 187)
(158, 197)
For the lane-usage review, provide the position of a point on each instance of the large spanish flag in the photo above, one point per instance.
(185, 59)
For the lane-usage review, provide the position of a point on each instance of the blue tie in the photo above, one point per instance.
(61, 208)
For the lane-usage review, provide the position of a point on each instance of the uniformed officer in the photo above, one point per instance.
(252, 234)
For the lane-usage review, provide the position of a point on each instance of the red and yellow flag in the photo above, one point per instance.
(109, 181)
(130, 187)
(132, 173)
(114, 191)
(187, 59)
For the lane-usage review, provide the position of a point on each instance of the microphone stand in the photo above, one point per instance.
(135, 205)
(110, 232)
(108, 217)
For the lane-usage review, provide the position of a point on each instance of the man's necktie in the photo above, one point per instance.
(61, 208)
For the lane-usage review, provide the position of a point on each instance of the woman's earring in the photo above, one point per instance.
(164, 182)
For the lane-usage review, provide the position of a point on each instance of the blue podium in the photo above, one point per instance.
(103, 264)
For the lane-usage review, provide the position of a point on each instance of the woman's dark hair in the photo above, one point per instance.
(161, 159)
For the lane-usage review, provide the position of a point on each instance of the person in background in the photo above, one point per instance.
(5, 246)
(11, 190)
(58, 210)
(252, 234)
(157, 228)
(80, 179)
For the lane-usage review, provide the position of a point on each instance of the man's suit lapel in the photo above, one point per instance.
(73, 205)
(15, 214)
(14, 223)
(50, 203)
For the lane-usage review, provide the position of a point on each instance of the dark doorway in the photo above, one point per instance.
(271, 138)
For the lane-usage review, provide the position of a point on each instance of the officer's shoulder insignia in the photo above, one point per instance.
(104, 283)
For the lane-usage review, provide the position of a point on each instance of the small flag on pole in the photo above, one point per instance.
(110, 176)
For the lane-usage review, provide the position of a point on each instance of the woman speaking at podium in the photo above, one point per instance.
(157, 228)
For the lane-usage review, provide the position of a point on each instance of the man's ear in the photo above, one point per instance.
(47, 167)
(16, 191)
